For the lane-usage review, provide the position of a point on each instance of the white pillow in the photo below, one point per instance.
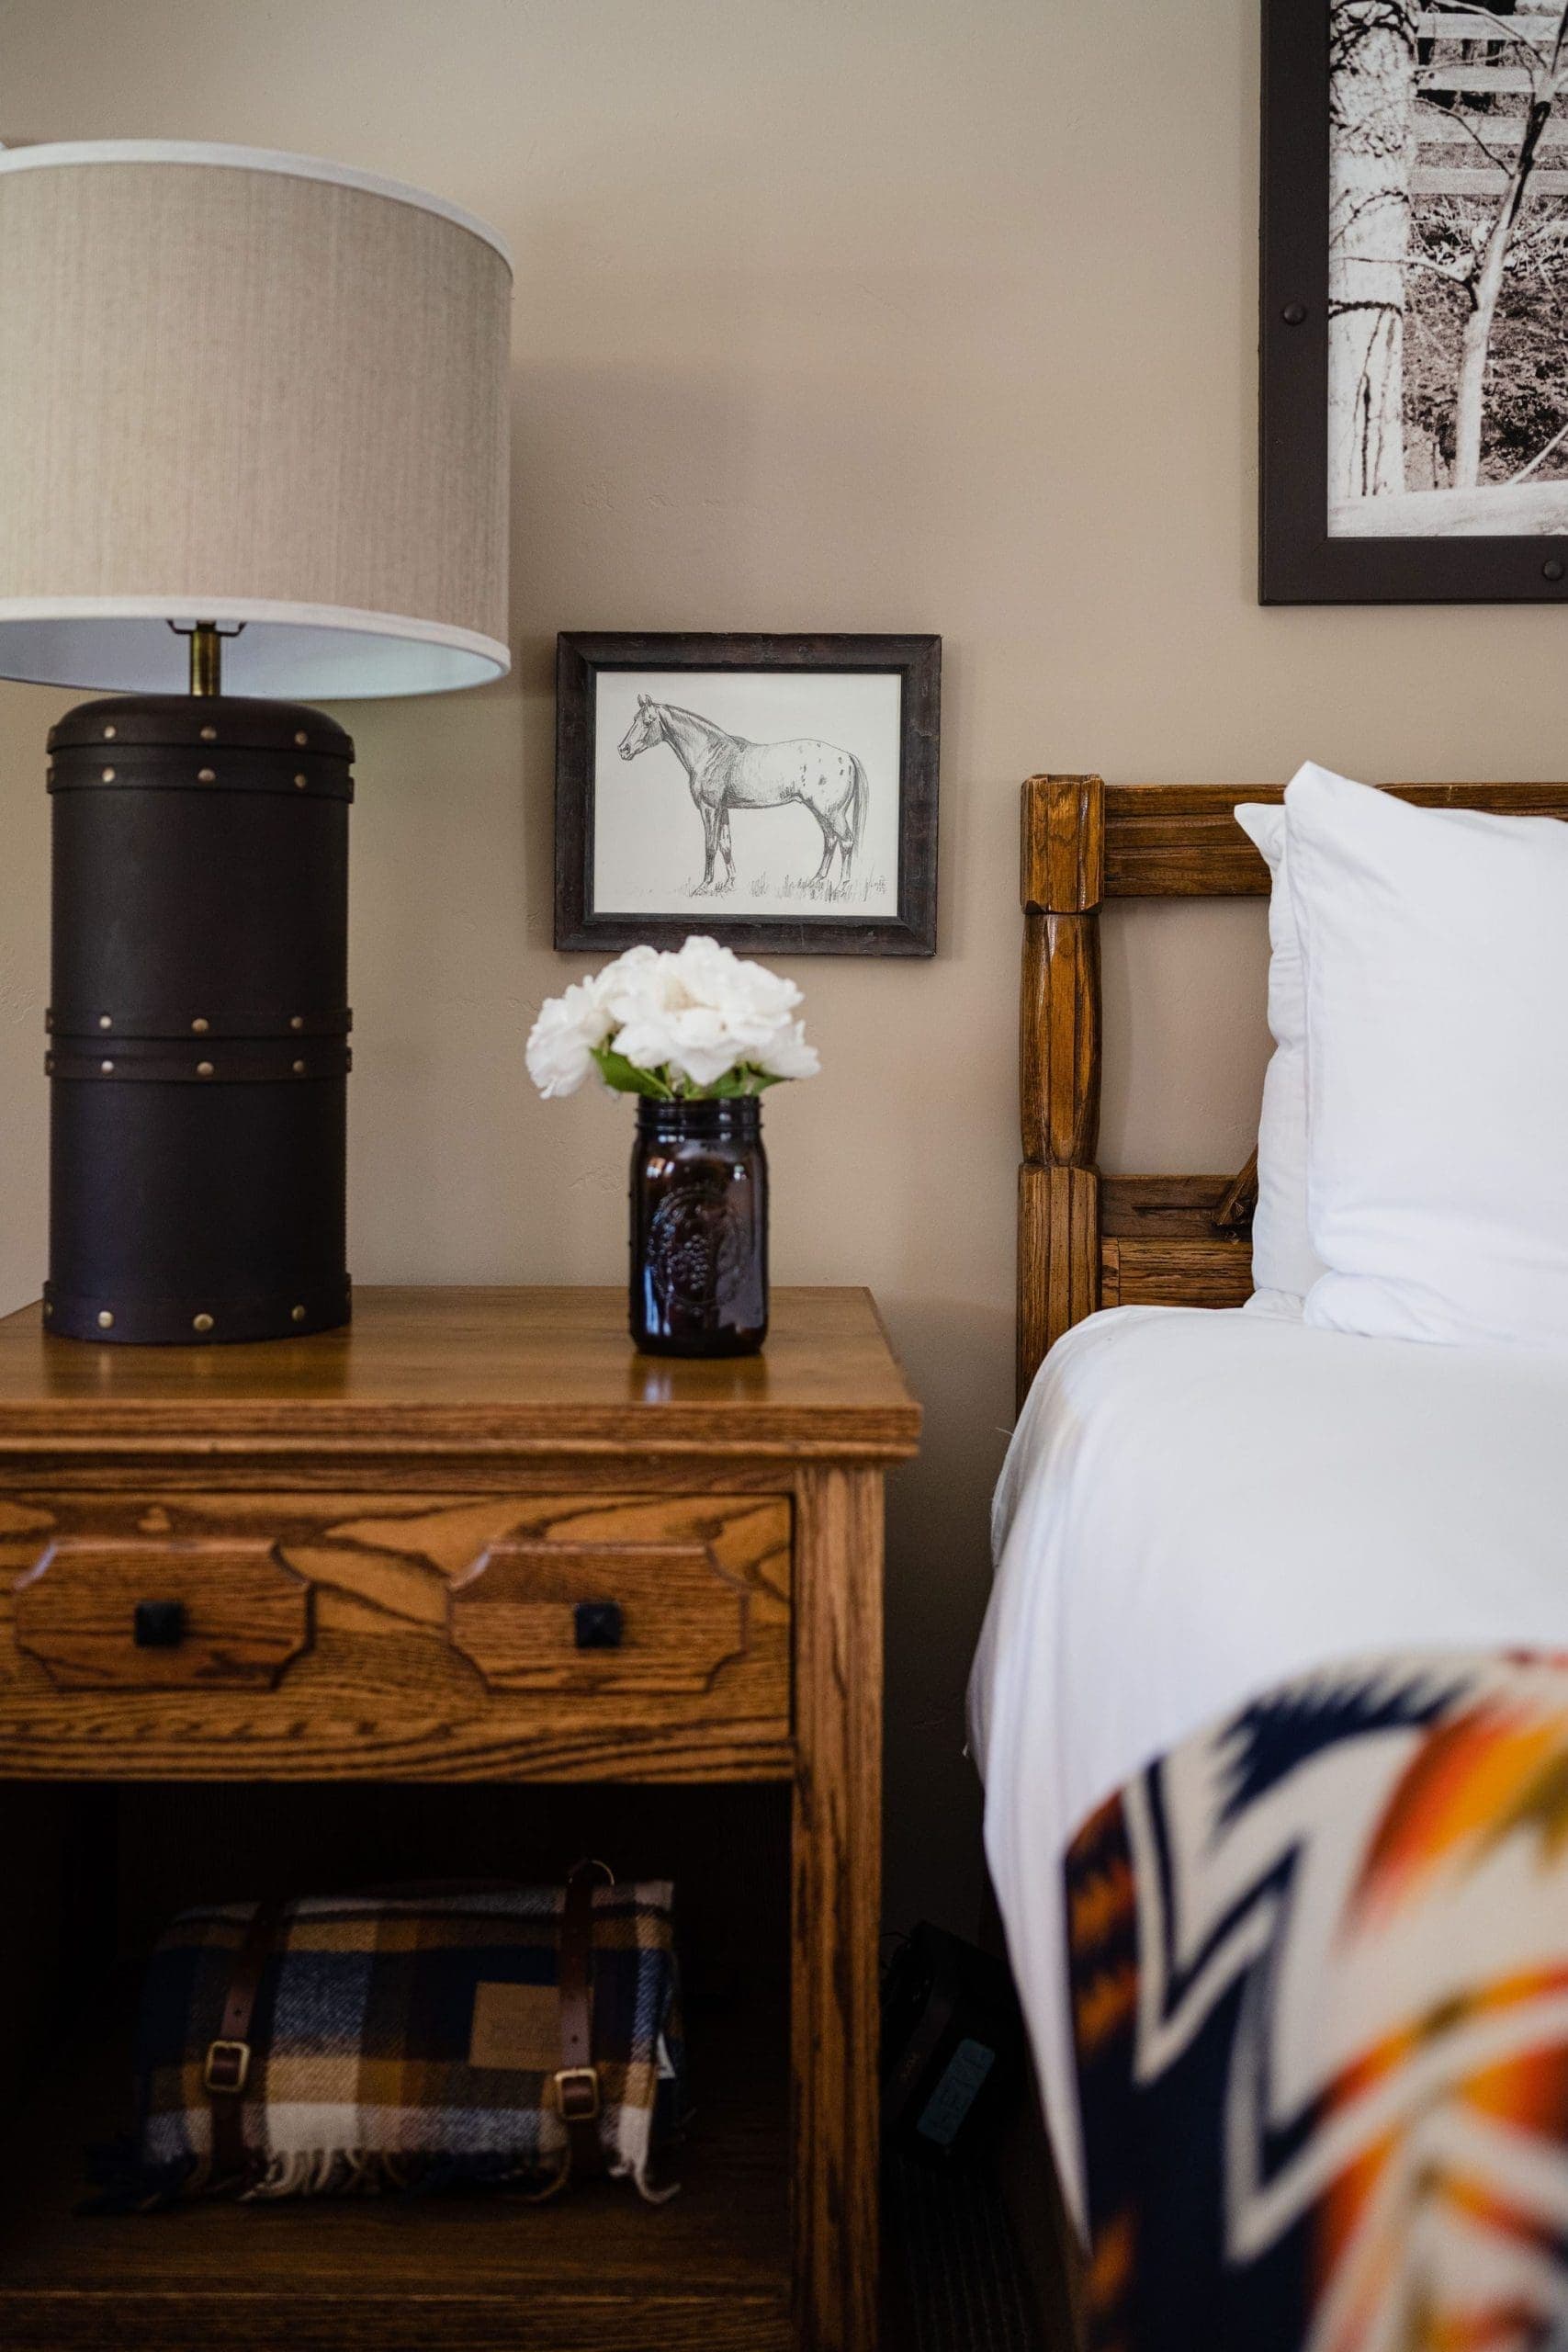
(1436, 951)
(1284, 1263)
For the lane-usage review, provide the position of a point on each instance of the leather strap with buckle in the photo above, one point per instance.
(577, 2079)
(231, 2055)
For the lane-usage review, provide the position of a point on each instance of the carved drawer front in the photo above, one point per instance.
(156, 1613)
(260, 1630)
(648, 1600)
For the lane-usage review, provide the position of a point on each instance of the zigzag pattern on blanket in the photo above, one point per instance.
(1320, 1978)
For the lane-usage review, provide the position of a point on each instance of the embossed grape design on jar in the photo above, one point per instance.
(699, 1228)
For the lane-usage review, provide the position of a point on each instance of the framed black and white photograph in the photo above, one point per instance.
(1415, 302)
(777, 792)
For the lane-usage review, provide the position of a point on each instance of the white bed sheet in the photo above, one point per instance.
(1198, 1505)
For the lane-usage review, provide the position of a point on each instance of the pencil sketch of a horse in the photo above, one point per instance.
(727, 772)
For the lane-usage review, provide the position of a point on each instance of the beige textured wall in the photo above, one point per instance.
(929, 315)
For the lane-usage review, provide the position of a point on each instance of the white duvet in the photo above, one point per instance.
(1199, 1505)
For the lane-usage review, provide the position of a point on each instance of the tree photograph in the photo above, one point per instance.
(1447, 269)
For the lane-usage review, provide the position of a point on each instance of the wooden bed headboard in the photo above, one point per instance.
(1086, 1240)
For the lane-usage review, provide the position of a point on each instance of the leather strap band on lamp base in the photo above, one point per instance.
(265, 404)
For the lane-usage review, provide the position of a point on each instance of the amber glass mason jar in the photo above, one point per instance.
(699, 1204)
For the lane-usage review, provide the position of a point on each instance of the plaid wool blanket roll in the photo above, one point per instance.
(405, 2041)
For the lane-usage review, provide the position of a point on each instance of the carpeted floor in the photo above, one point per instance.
(955, 2282)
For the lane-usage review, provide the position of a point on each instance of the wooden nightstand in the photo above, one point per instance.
(360, 1558)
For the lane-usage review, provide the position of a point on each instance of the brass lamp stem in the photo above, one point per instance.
(206, 660)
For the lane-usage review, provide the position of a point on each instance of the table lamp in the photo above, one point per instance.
(253, 437)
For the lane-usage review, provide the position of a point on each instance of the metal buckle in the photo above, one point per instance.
(579, 2078)
(234, 2059)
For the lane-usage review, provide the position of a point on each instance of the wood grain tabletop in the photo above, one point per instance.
(513, 1368)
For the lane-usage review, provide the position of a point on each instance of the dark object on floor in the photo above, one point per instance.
(952, 2055)
(955, 2280)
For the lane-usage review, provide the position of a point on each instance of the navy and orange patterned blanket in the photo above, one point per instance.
(1319, 1965)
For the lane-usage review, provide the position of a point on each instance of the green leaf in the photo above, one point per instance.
(744, 1079)
(626, 1078)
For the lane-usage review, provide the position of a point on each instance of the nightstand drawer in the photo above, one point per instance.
(657, 1599)
(475, 1634)
(142, 1612)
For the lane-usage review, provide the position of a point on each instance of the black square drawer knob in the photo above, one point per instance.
(159, 1624)
(598, 1624)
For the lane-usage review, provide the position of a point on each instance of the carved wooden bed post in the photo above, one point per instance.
(1058, 1194)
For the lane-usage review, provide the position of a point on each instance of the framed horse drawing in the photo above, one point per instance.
(777, 792)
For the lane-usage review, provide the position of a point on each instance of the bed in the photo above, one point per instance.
(1271, 1707)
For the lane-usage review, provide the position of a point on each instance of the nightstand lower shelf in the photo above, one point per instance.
(594, 2270)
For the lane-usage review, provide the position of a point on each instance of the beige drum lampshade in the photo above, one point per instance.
(242, 387)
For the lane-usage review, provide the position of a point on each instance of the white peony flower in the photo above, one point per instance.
(638, 981)
(561, 1041)
(697, 1043)
(746, 993)
(789, 1056)
(756, 1004)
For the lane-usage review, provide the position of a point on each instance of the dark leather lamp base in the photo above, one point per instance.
(198, 1020)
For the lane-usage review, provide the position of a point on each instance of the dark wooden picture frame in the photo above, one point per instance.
(1299, 563)
(581, 656)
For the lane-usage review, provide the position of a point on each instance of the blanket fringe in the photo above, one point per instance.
(349, 2172)
(124, 2184)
